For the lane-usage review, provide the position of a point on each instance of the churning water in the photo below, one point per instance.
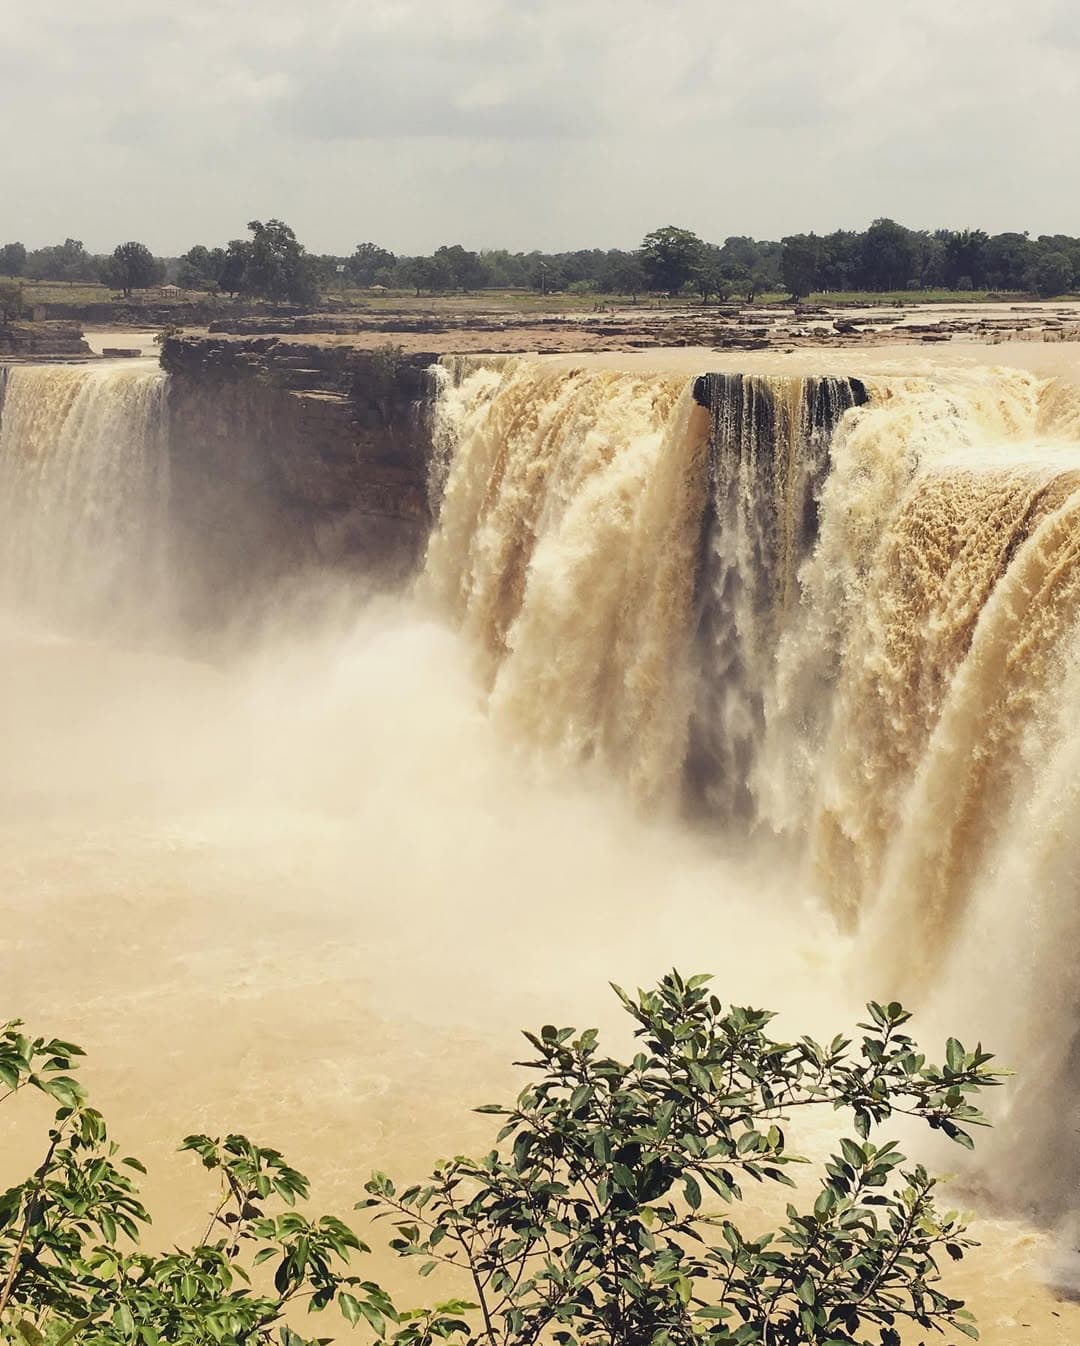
(771, 676)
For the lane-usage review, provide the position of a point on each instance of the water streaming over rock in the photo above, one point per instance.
(83, 491)
(839, 617)
(851, 615)
(567, 548)
(769, 457)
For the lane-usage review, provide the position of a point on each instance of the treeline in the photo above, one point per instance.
(889, 257)
(273, 264)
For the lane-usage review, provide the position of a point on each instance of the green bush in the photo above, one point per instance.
(601, 1215)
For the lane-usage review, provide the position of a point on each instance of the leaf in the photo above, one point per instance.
(693, 1191)
(623, 1177)
(854, 1154)
(825, 1203)
(350, 1307)
(374, 1317)
(29, 1333)
(807, 1292)
(73, 1331)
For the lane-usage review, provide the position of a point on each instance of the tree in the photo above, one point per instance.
(131, 267)
(234, 266)
(711, 276)
(464, 268)
(276, 265)
(11, 300)
(757, 282)
(889, 256)
(799, 263)
(588, 1226)
(201, 267)
(669, 257)
(428, 273)
(965, 257)
(12, 259)
(367, 261)
(1051, 275)
(67, 261)
(624, 274)
(1008, 259)
(70, 1262)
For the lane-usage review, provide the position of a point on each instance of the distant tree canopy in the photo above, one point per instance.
(11, 300)
(368, 263)
(272, 264)
(132, 267)
(12, 259)
(63, 261)
(670, 257)
(890, 257)
(277, 265)
(201, 267)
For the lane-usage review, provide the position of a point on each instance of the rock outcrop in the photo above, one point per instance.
(288, 456)
(34, 341)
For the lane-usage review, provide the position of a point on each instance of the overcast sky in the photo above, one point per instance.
(533, 123)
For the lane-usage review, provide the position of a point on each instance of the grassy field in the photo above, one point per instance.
(502, 301)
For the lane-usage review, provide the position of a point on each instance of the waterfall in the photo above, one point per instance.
(769, 456)
(566, 548)
(83, 492)
(843, 617)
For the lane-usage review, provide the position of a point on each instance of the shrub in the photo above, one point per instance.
(591, 1225)
(587, 1223)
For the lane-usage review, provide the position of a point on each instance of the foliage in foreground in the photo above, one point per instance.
(602, 1215)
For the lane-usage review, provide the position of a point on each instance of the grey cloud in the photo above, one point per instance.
(525, 123)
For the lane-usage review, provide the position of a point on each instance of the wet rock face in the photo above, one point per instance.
(288, 456)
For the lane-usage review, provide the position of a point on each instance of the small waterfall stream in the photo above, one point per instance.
(83, 494)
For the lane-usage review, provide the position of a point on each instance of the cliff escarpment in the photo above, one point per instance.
(41, 340)
(288, 455)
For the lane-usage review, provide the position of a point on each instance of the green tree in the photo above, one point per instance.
(758, 282)
(277, 266)
(201, 267)
(587, 1223)
(623, 273)
(131, 267)
(1051, 275)
(367, 261)
(464, 268)
(70, 1263)
(669, 257)
(433, 274)
(965, 257)
(11, 300)
(800, 261)
(889, 256)
(234, 266)
(12, 259)
(711, 275)
(1008, 259)
(67, 261)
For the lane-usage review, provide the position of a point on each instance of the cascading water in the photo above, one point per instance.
(849, 614)
(83, 491)
(566, 548)
(769, 458)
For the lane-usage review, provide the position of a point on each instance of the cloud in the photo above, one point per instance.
(548, 123)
